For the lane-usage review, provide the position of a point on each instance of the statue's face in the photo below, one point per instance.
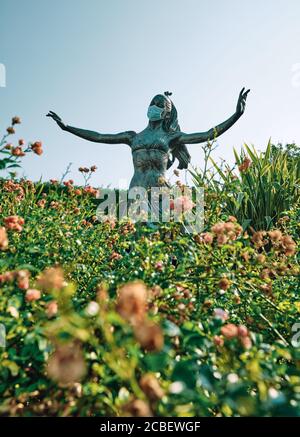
(159, 108)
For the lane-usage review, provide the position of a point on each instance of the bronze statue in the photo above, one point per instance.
(151, 147)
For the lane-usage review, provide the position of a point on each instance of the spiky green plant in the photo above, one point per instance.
(260, 193)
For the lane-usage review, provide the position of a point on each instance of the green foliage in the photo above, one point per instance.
(120, 319)
(199, 370)
(266, 187)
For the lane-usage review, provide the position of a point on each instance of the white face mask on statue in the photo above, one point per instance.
(155, 113)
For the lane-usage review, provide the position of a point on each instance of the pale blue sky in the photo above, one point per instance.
(98, 63)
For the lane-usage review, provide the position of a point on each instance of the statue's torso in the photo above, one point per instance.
(150, 152)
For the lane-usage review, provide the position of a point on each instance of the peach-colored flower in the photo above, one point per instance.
(14, 223)
(68, 183)
(41, 203)
(288, 245)
(246, 342)
(52, 278)
(90, 190)
(243, 331)
(244, 166)
(229, 331)
(32, 294)
(66, 364)
(224, 283)
(275, 235)
(17, 151)
(229, 226)
(51, 309)
(13, 311)
(207, 238)
(7, 277)
(93, 168)
(150, 386)
(22, 277)
(218, 228)
(222, 239)
(54, 204)
(258, 238)
(132, 301)
(37, 147)
(3, 239)
(21, 142)
(115, 256)
(218, 341)
(245, 255)
(261, 259)
(149, 335)
(137, 408)
(219, 313)
(183, 204)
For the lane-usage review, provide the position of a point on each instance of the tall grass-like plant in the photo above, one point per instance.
(266, 185)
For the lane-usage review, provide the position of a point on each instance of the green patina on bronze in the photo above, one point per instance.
(155, 148)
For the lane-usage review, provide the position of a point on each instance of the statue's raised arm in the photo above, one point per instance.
(122, 137)
(211, 134)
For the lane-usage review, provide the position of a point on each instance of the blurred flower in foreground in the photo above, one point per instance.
(149, 335)
(229, 331)
(150, 386)
(22, 277)
(220, 314)
(3, 239)
(32, 295)
(66, 364)
(241, 332)
(137, 408)
(51, 309)
(132, 301)
(51, 279)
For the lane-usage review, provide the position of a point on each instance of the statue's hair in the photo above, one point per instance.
(170, 124)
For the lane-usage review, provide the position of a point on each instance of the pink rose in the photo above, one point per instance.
(32, 294)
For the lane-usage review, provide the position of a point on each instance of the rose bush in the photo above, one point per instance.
(121, 319)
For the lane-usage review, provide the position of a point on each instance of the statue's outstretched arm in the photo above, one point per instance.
(211, 134)
(122, 137)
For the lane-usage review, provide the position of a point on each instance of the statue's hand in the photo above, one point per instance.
(56, 118)
(241, 104)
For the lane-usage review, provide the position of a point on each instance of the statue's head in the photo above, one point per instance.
(160, 107)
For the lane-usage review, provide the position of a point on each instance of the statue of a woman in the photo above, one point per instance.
(151, 148)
